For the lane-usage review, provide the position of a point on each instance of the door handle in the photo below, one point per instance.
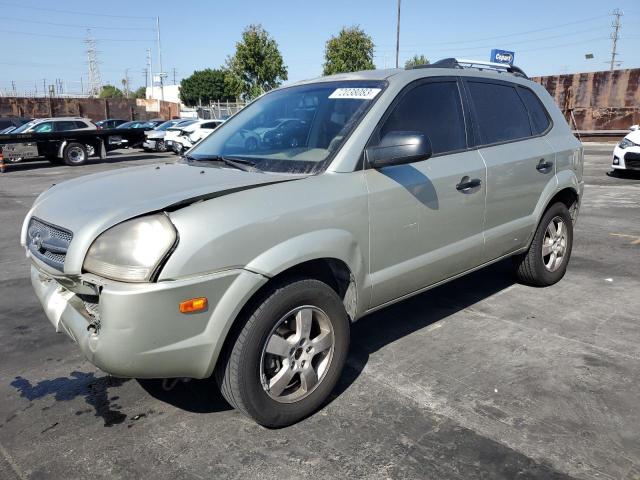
(466, 184)
(543, 166)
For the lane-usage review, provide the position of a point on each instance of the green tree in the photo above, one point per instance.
(257, 66)
(415, 61)
(350, 51)
(205, 86)
(109, 91)
(140, 93)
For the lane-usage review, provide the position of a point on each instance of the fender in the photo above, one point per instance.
(328, 243)
(560, 181)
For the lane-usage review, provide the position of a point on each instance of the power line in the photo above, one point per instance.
(75, 25)
(615, 35)
(92, 14)
(515, 34)
(15, 32)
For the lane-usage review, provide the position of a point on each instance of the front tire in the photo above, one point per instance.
(546, 261)
(288, 355)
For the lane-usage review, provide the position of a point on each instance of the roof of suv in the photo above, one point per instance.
(445, 67)
(58, 119)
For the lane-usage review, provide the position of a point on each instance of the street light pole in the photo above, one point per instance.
(398, 36)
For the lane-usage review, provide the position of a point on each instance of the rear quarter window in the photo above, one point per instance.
(540, 121)
(499, 111)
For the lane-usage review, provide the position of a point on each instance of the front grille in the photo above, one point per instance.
(632, 160)
(48, 243)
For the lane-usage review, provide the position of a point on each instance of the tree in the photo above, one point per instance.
(140, 93)
(109, 91)
(205, 86)
(257, 66)
(350, 51)
(415, 61)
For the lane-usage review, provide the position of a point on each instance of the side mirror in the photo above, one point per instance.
(399, 148)
(633, 128)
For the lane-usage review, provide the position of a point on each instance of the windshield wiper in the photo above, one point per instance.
(240, 164)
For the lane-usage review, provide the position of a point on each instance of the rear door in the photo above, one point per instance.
(425, 229)
(520, 162)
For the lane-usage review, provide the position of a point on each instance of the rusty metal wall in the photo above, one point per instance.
(599, 100)
(93, 108)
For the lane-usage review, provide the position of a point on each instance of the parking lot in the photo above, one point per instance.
(479, 378)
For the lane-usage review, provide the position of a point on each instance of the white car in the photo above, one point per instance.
(626, 155)
(193, 133)
(155, 139)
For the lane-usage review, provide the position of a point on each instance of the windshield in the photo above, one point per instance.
(166, 125)
(295, 129)
(25, 127)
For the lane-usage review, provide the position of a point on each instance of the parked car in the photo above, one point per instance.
(174, 132)
(55, 124)
(283, 131)
(155, 138)
(193, 133)
(250, 265)
(626, 154)
(10, 123)
(109, 123)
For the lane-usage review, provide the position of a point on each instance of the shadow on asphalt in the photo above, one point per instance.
(629, 174)
(197, 396)
(404, 318)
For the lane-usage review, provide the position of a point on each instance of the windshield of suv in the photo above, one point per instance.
(164, 126)
(26, 126)
(295, 129)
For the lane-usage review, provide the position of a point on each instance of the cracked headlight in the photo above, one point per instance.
(133, 250)
(626, 143)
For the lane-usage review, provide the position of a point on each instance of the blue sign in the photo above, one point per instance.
(502, 56)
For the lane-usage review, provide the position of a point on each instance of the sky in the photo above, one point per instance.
(45, 40)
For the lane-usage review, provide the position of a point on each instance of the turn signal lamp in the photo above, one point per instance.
(193, 305)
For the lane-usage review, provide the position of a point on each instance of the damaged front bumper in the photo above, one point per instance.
(137, 330)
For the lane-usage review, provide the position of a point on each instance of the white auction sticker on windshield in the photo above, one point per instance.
(356, 92)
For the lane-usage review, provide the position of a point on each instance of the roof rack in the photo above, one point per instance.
(478, 64)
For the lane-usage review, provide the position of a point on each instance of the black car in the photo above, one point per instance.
(109, 123)
(7, 123)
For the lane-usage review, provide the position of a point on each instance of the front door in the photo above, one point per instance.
(424, 225)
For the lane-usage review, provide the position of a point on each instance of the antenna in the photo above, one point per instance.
(615, 35)
(95, 80)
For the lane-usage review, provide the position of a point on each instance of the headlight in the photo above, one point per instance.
(132, 250)
(627, 143)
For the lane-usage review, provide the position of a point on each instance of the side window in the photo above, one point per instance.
(64, 126)
(80, 124)
(500, 113)
(44, 128)
(434, 109)
(539, 116)
(210, 125)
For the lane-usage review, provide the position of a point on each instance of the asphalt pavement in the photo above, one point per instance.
(479, 378)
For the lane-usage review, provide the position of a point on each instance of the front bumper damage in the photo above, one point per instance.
(136, 330)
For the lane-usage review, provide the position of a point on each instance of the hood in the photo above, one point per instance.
(634, 136)
(91, 204)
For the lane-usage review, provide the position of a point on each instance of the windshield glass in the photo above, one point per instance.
(295, 129)
(166, 125)
(25, 127)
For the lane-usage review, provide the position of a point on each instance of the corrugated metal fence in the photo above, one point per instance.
(599, 100)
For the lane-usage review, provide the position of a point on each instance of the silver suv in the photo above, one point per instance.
(250, 260)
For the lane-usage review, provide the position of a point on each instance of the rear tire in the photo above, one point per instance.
(546, 261)
(75, 154)
(279, 389)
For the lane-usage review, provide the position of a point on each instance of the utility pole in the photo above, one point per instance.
(44, 87)
(615, 35)
(95, 80)
(150, 67)
(13, 87)
(398, 36)
(125, 83)
(174, 75)
(161, 73)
